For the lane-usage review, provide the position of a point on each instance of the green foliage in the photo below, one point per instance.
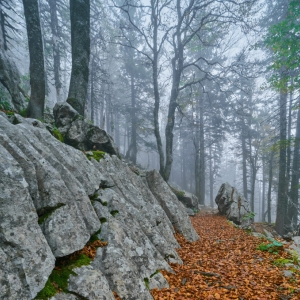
(57, 134)
(94, 237)
(103, 220)
(46, 212)
(281, 262)
(283, 144)
(4, 105)
(58, 280)
(114, 212)
(249, 216)
(23, 113)
(47, 292)
(272, 247)
(283, 40)
(156, 272)
(178, 193)
(97, 155)
(146, 281)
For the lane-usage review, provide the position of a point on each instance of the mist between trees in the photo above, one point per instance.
(205, 91)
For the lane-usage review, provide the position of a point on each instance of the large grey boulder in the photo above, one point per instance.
(174, 209)
(59, 195)
(79, 133)
(146, 209)
(234, 205)
(26, 260)
(90, 284)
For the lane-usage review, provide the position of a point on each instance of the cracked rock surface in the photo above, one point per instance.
(53, 199)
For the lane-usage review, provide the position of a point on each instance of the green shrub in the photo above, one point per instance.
(273, 247)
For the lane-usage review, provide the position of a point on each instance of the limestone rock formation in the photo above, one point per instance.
(26, 259)
(53, 199)
(173, 208)
(79, 133)
(234, 205)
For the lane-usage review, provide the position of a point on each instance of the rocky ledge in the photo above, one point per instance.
(56, 200)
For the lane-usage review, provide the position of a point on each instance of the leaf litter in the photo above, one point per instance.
(226, 264)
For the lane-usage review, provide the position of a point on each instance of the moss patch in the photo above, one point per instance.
(57, 134)
(178, 193)
(146, 281)
(46, 212)
(94, 237)
(114, 212)
(97, 155)
(58, 280)
(103, 220)
(23, 113)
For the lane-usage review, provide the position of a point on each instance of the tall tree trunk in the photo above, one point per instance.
(36, 54)
(270, 185)
(263, 219)
(244, 160)
(56, 50)
(202, 154)
(211, 178)
(282, 196)
(133, 152)
(93, 100)
(293, 208)
(289, 150)
(154, 18)
(80, 41)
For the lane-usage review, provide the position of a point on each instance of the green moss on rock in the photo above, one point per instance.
(114, 212)
(57, 134)
(58, 280)
(97, 155)
(46, 212)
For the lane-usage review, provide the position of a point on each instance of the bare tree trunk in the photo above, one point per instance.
(263, 190)
(270, 185)
(202, 154)
(132, 153)
(36, 54)
(93, 100)
(244, 161)
(293, 208)
(289, 150)
(80, 40)
(282, 196)
(56, 50)
(211, 178)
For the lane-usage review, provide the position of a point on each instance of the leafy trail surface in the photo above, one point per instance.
(225, 264)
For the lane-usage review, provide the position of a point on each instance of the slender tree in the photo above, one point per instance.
(36, 54)
(80, 41)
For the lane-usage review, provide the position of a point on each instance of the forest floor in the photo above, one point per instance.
(226, 264)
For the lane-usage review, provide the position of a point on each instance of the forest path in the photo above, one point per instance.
(225, 264)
